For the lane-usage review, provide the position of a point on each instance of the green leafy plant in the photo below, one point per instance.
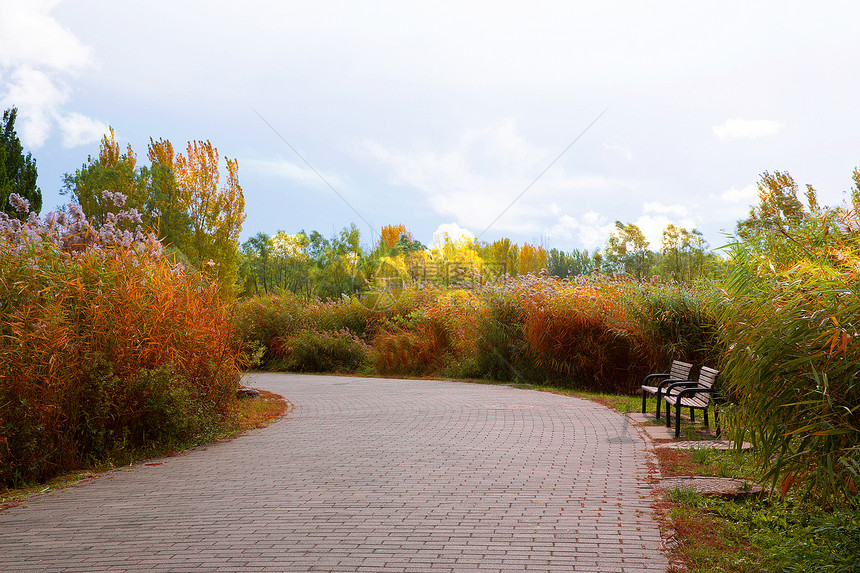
(320, 351)
(790, 338)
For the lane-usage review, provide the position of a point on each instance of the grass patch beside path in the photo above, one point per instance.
(251, 413)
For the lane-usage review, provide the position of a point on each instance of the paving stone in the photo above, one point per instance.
(368, 474)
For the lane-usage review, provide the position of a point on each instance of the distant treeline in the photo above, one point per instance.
(311, 264)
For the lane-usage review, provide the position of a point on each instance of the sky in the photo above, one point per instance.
(543, 122)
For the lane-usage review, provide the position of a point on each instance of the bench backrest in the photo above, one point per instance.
(680, 370)
(707, 377)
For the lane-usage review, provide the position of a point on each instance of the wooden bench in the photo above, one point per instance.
(695, 396)
(678, 372)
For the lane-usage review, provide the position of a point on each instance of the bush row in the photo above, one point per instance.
(596, 333)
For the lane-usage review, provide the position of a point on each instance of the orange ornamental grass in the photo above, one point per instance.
(580, 331)
(105, 349)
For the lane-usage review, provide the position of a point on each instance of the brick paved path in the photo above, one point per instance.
(367, 475)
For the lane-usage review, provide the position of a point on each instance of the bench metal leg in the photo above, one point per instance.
(677, 421)
(717, 421)
(692, 415)
(644, 397)
(705, 414)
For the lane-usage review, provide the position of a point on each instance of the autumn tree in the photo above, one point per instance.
(627, 251)
(500, 258)
(395, 258)
(778, 208)
(216, 212)
(390, 235)
(683, 252)
(112, 171)
(532, 259)
(165, 203)
(17, 170)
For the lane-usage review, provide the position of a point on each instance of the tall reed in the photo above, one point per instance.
(104, 346)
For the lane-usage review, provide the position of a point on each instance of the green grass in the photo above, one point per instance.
(756, 535)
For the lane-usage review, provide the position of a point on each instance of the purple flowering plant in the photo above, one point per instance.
(104, 343)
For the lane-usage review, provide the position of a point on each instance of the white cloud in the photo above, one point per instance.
(31, 36)
(747, 195)
(619, 149)
(79, 129)
(453, 231)
(482, 176)
(677, 210)
(656, 216)
(37, 98)
(591, 230)
(35, 54)
(288, 170)
(746, 129)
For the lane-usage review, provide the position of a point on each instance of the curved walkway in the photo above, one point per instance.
(367, 475)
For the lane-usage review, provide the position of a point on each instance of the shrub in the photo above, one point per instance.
(104, 345)
(678, 321)
(577, 333)
(258, 321)
(790, 338)
(500, 352)
(407, 352)
(320, 351)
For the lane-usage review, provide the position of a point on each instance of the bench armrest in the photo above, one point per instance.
(654, 376)
(666, 385)
(693, 391)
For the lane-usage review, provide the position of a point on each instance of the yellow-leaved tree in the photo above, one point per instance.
(532, 259)
(216, 212)
(93, 185)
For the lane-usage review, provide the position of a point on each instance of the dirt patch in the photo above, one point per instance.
(675, 462)
(716, 486)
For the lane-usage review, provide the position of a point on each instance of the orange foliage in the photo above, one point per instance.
(390, 234)
(581, 330)
(84, 344)
(161, 152)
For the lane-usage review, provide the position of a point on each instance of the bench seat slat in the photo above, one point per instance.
(696, 397)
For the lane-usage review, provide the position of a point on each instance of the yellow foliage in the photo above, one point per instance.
(532, 259)
(289, 247)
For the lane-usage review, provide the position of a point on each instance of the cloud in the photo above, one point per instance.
(35, 55)
(79, 129)
(677, 210)
(747, 195)
(31, 36)
(454, 232)
(481, 176)
(746, 129)
(656, 216)
(37, 98)
(288, 170)
(591, 230)
(619, 149)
